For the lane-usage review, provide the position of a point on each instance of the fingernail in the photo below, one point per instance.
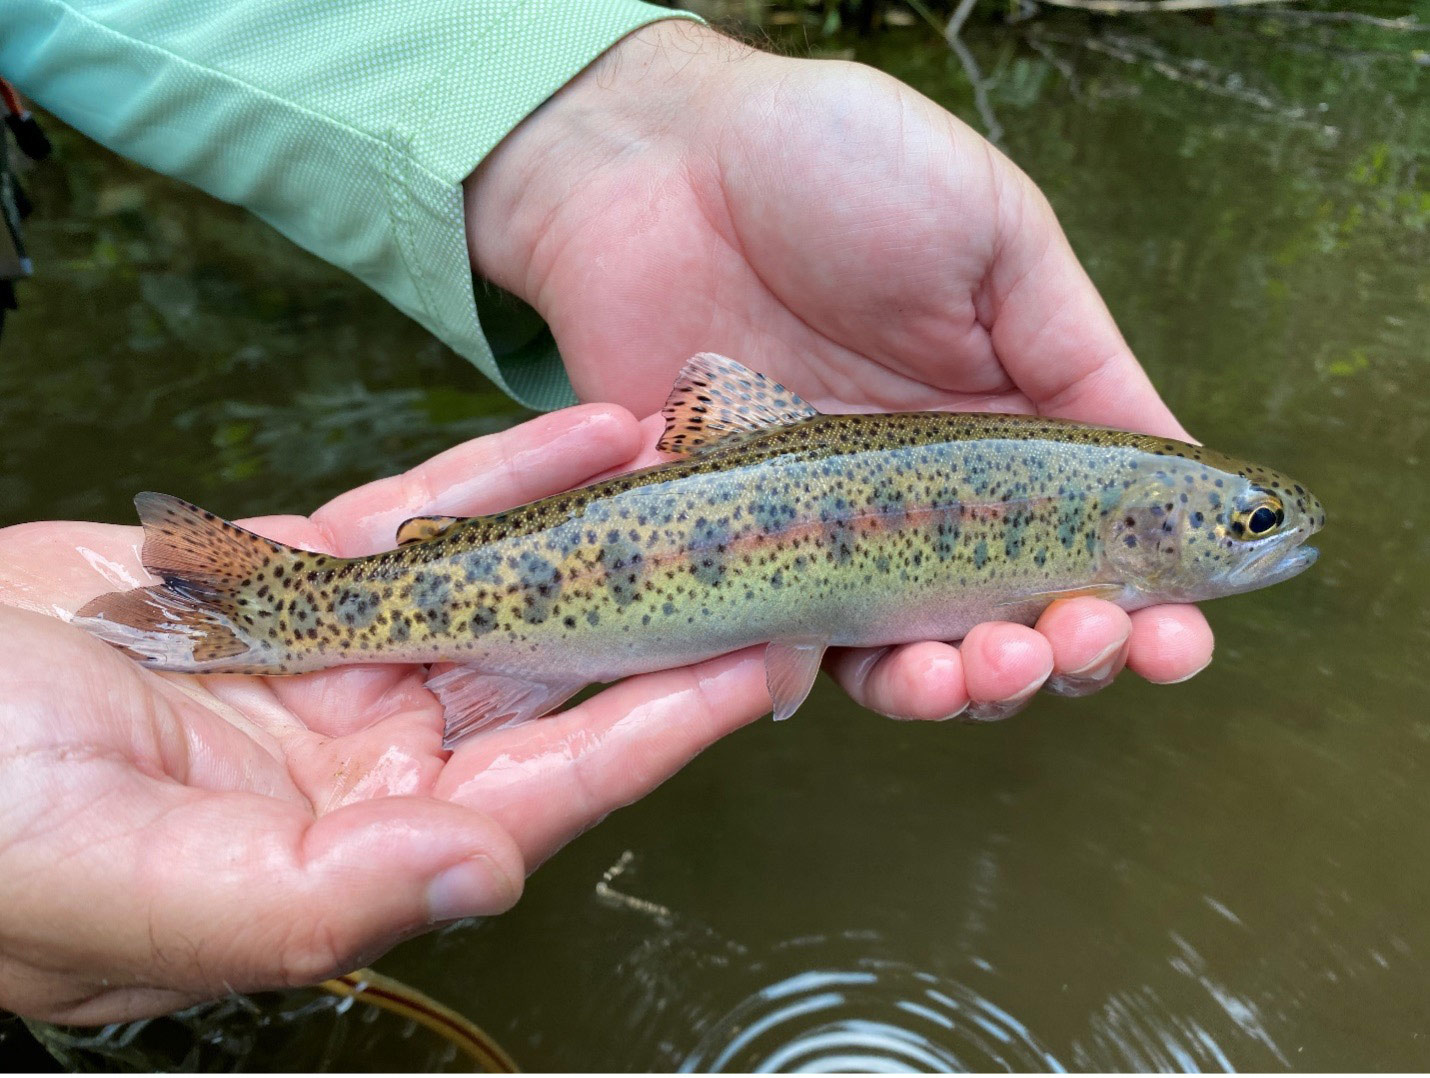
(468, 889)
(954, 714)
(1097, 674)
(1101, 664)
(1186, 677)
(938, 718)
(997, 710)
(1064, 685)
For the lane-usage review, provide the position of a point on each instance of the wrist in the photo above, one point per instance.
(642, 96)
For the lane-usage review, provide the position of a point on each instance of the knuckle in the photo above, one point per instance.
(311, 953)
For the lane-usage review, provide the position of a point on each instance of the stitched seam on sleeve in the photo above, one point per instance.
(464, 56)
(398, 212)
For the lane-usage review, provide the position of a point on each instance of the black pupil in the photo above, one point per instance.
(1263, 520)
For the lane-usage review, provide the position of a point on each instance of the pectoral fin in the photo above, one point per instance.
(473, 700)
(790, 669)
(1091, 591)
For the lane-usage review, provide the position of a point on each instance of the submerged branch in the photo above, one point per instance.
(1404, 22)
(1152, 7)
(1148, 7)
(993, 130)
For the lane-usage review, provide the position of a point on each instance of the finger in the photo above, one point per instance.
(1052, 331)
(262, 896)
(543, 456)
(549, 780)
(1170, 643)
(1003, 666)
(1089, 638)
(913, 681)
(54, 567)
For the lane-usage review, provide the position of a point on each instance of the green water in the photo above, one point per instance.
(1230, 873)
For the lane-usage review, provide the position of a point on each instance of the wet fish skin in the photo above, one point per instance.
(775, 523)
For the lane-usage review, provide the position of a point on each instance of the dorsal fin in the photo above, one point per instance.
(715, 398)
(419, 529)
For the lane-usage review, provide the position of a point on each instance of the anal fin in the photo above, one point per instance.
(473, 700)
(790, 669)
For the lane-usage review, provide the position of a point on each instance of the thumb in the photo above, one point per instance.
(238, 892)
(298, 902)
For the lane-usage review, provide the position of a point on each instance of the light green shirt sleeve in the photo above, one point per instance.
(348, 125)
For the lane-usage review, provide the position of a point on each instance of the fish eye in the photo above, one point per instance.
(1260, 520)
(1263, 520)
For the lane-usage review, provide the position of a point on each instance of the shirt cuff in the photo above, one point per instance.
(507, 72)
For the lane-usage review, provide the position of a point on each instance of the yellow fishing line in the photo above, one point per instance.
(385, 993)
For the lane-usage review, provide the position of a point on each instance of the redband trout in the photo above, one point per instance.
(773, 523)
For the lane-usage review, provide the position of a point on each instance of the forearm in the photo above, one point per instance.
(348, 129)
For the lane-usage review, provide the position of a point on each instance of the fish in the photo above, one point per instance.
(769, 523)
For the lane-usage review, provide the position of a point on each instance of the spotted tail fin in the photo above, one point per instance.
(212, 611)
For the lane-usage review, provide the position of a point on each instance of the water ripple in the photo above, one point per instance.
(878, 1017)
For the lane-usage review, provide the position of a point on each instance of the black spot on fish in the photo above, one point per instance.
(708, 539)
(482, 621)
(481, 566)
(623, 563)
(540, 585)
(430, 591)
(773, 516)
(355, 608)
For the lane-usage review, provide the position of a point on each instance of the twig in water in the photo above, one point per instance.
(1063, 67)
(959, 17)
(1147, 7)
(992, 129)
(1404, 22)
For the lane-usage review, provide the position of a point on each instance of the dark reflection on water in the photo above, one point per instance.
(1227, 874)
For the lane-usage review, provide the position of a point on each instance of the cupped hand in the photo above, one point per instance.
(828, 226)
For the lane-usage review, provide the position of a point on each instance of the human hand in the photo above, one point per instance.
(166, 838)
(828, 226)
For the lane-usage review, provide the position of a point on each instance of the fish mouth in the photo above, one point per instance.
(1283, 557)
(1297, 561)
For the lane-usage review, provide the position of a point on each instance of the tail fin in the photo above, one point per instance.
(207, 615)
